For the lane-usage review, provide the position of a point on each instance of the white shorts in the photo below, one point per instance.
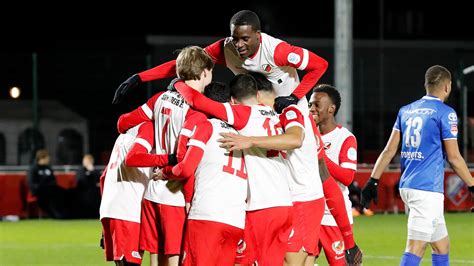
(426, 209)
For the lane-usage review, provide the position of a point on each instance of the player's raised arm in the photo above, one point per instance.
(165, 70)
(301, 59)
(292, 121)
(235, 115)
(141, 114)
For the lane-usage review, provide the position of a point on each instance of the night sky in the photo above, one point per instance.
(79, 28)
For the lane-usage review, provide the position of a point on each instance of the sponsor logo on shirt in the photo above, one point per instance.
(294, 58)
(290, 115)
(454, 130)
(452, 117)
(352, 154)
(421, 111)
(412, 155)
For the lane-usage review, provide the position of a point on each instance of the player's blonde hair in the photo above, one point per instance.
(191, 62)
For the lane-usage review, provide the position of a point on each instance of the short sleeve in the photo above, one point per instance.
(396, 126)
(449, 124)
(291, 116)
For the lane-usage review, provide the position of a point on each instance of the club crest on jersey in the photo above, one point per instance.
(338, 247)
(294, 58)
(136, 254)
(327, 145)
(267, 68)
(454, 130)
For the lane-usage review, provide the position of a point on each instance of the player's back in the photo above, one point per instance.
(305, 182)
(123, 186)
(423, 125)
(221, 181)
(169, 113)
(267, 170)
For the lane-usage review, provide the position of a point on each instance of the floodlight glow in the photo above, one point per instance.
(15, 92)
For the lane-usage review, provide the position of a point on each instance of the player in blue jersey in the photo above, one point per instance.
(427, 130)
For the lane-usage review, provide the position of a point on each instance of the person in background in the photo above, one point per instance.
(87, 189)
(42, 184)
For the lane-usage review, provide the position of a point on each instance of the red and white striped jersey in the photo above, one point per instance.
(341, 147)
(124, 186)
(305, 182)
(221, 178)
(267, 170)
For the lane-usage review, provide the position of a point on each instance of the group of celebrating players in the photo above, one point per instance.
(208, 173)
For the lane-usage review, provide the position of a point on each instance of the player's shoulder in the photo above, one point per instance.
(291, 112)
(220, 125)
(268, 40)
(346, 132)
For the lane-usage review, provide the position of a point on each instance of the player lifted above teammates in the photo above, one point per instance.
(249, 49)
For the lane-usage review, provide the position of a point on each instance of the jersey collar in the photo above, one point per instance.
(431, 97)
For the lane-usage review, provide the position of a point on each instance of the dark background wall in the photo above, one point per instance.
(85, 51)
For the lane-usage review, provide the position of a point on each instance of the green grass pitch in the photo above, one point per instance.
(76, 242)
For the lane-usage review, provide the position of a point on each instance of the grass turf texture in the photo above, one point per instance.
(76, 242)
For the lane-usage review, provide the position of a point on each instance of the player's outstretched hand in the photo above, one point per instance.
(231, 141)
(130, 83)
(284, 101)
(369, 192)
(229, 42)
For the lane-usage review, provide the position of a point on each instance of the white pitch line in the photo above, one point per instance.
(399, 258)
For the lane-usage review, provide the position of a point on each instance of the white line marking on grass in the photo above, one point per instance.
(399, 258)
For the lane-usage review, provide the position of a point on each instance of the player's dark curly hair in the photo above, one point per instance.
(246, 17)
(333, 94)
(217, 91)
